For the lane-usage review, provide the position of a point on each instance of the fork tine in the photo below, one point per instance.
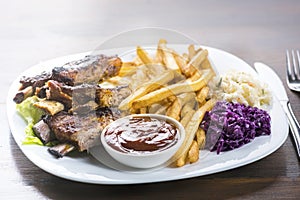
(295, 65)
(290, 74)
(293, 69)
(298, 62)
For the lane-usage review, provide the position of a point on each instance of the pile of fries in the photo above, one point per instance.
(174, 85)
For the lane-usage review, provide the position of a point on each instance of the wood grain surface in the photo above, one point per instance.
(34, 31)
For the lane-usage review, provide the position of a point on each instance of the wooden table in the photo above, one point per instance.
(33, 31)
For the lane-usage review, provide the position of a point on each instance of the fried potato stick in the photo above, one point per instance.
(191, 130)
(170, 90)
(143, 110)
(186, 57)
(186, 97)
(200, 138)
(198, 143)
(148, 87)
(144, 56)
(197, 74)
(163, 109)
(193, 153)
(187, 117)
(187, 108)
(159, 52)
(195, 63)
(181, 61)
(192, 51)
(202, 94)
(128, 68)
(174, 110)
(167, 56)
(206, 64)
(164, 103)
(154, 107)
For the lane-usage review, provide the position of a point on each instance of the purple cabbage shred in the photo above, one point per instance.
(231, 125)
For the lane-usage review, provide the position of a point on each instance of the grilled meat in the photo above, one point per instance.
(35, 81)
(23, 94)
(82, 131)
(87, 107)
(91, 69)
(29, 85)
(61, 150)
(53, 91)
(42, 131)
(85, 96)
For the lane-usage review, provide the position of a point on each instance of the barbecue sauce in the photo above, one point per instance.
(141, 135)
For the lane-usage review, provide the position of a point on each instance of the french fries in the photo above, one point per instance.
(187, 108)
(167, 56)
(146, 88)
(144, 56)
(174, 85)
(190, 131)
(187, 117)
(174, 109)
(143, 110)
(202, 94)
(174, 89)
(200, 138)
(195, 63)
(193, 153)
(128, 68)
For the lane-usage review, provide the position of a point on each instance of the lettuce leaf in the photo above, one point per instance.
(31, 115)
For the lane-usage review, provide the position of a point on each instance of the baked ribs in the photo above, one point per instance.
(92, 69)
(82, 131)
(84, 97)
(85, 107)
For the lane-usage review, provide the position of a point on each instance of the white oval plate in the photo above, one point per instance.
(83, 167)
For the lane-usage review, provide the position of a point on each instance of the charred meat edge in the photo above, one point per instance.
(91, 69)
(74, 74)
(81, 131)
(85, 97)
(61, 150)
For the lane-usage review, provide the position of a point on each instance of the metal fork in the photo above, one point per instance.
(293, 70)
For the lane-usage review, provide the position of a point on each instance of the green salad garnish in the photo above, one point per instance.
(32, 115)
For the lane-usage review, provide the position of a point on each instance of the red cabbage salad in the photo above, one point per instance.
(230, 125)
(233, 123)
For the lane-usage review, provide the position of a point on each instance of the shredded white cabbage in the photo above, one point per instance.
(241, 87)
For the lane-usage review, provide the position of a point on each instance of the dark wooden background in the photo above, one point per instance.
(34, 31)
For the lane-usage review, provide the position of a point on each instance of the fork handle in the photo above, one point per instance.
(294, 125)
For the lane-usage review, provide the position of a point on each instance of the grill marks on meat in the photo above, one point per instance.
(35, 81)
(85, 97)
(53, 91)
(83, 131)
(29, 85)
(91, 69)
(88, 107)
(23, 94)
